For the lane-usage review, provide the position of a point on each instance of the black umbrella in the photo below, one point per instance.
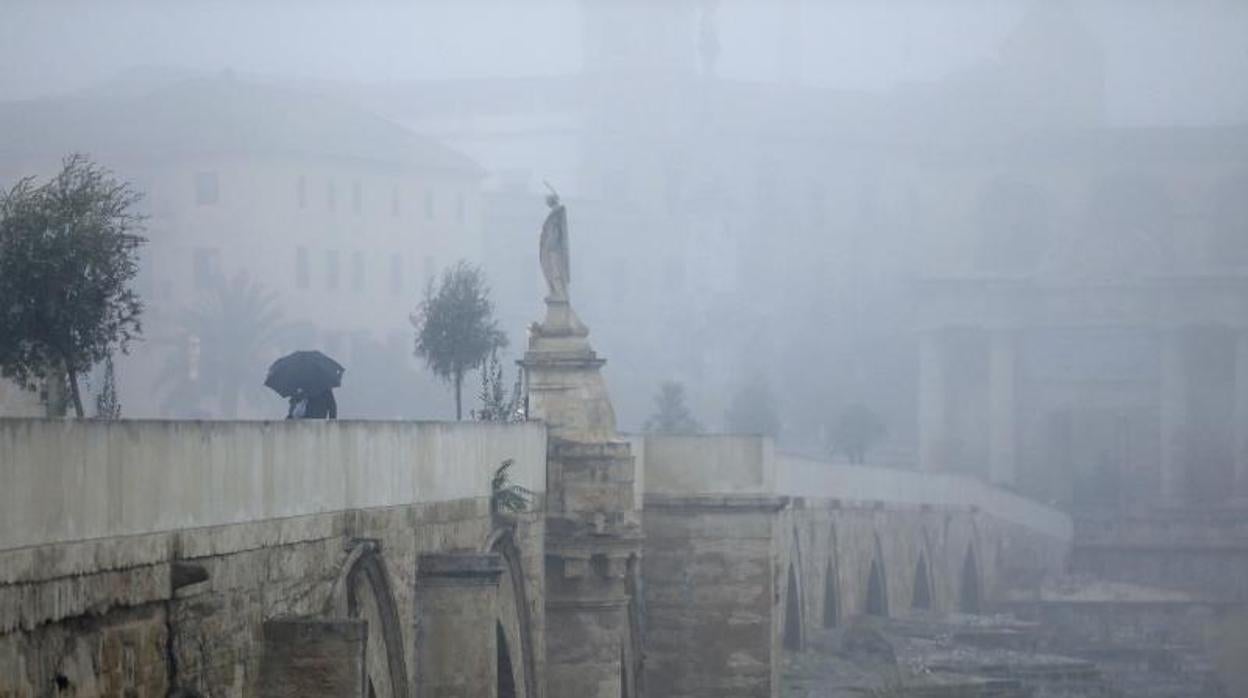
(309, 372)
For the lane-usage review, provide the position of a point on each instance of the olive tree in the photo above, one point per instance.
(68, 253)
(455, 326)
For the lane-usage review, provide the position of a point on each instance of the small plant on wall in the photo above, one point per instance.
(506, 496)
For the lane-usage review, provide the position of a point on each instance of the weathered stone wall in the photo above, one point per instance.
(710, 596)
(185, 609)
(111, 625)
(314, 658)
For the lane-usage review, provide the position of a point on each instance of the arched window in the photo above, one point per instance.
(506, 675)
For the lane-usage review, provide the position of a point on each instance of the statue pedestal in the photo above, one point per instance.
(593, 529)
(563, 378)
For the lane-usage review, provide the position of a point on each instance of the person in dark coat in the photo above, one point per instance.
(298, 406)
(321, 406)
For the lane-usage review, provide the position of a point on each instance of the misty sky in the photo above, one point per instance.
(1168, 61)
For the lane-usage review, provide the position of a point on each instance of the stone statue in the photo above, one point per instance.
(554, 249)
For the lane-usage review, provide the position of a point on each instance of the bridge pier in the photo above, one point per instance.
(456, 639)
(712, 600)
(593, 528)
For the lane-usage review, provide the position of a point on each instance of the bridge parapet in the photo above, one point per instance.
(721, 465)
(804, 477)
(162, 557)
(67, 480)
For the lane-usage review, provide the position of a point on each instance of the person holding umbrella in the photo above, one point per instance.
(322, 405)
(307, 379)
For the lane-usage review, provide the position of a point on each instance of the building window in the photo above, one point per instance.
(357, 271)
(357, 197)
(302, 279)
(429, 204)
(207, 189)
(396, 274)
(301, 191)
(394, 201)
(331, 270)
(207, 267)
(331, 195)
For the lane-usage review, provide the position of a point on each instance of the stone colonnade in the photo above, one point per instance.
(1003, 408)
(934, 395)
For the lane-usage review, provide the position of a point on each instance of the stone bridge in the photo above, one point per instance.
(352, 558)
(227, 559)
(747, 551)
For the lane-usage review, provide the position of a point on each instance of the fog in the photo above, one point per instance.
(1166, 61)
(757, 191)
(979, 268)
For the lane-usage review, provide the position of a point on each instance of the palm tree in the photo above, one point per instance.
(222, 348)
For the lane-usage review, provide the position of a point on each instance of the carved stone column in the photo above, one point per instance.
(1002, 407)
(456, 642)
(933, 424)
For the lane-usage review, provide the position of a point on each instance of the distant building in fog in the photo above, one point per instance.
(339, 214)
(777, 227)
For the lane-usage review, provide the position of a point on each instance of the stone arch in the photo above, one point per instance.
(970, 592)
(831, 586)
(921, 597)
(363, 590)
(626, 688)
(876, 601)
(506, 674)
(632, 654)
(877, 596)
(793, 630)
(792, 614)
(831, 598)
(515, 621)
